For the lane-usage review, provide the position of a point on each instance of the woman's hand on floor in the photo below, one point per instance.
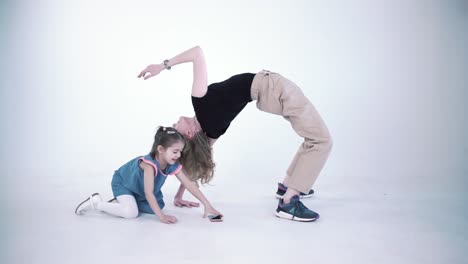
(179, 202)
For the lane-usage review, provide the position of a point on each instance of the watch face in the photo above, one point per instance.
(166, 65)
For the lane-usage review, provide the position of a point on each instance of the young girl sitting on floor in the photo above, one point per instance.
(137, 184)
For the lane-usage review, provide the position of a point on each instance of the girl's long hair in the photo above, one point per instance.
(197, 159)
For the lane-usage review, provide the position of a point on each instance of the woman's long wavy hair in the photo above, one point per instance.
(197, 159)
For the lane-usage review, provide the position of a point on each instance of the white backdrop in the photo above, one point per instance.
(388, 77)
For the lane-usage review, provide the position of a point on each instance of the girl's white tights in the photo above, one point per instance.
(126, 207)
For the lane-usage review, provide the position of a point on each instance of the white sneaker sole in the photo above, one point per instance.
(77, 211)
(300, 196)
(284, 215)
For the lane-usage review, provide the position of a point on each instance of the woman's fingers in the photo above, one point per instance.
(194, 204)
(149, 76)
(143, 72)
(185, 203)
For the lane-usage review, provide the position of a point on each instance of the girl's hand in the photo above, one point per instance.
(167, 219)
(211, 211)
(153, 70)
(184, 203)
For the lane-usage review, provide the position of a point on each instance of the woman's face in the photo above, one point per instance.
(186, 126)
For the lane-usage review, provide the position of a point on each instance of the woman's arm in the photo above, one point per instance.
(178, 200)
(193, 189)
(148, 172)
(200, 75)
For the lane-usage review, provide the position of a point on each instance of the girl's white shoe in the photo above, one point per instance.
(89, 204)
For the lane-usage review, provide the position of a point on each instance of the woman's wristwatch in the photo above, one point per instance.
(166, 65)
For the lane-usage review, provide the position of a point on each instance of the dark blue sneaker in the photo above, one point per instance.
(282, 190)
(295, 210)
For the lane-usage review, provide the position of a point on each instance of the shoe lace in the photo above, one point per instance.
(299, 208)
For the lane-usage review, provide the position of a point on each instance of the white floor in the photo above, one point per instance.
(356, 226)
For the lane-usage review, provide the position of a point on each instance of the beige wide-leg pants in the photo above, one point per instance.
(277, 95)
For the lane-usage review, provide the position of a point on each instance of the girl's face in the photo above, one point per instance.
(172, 153)
(186, 126)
